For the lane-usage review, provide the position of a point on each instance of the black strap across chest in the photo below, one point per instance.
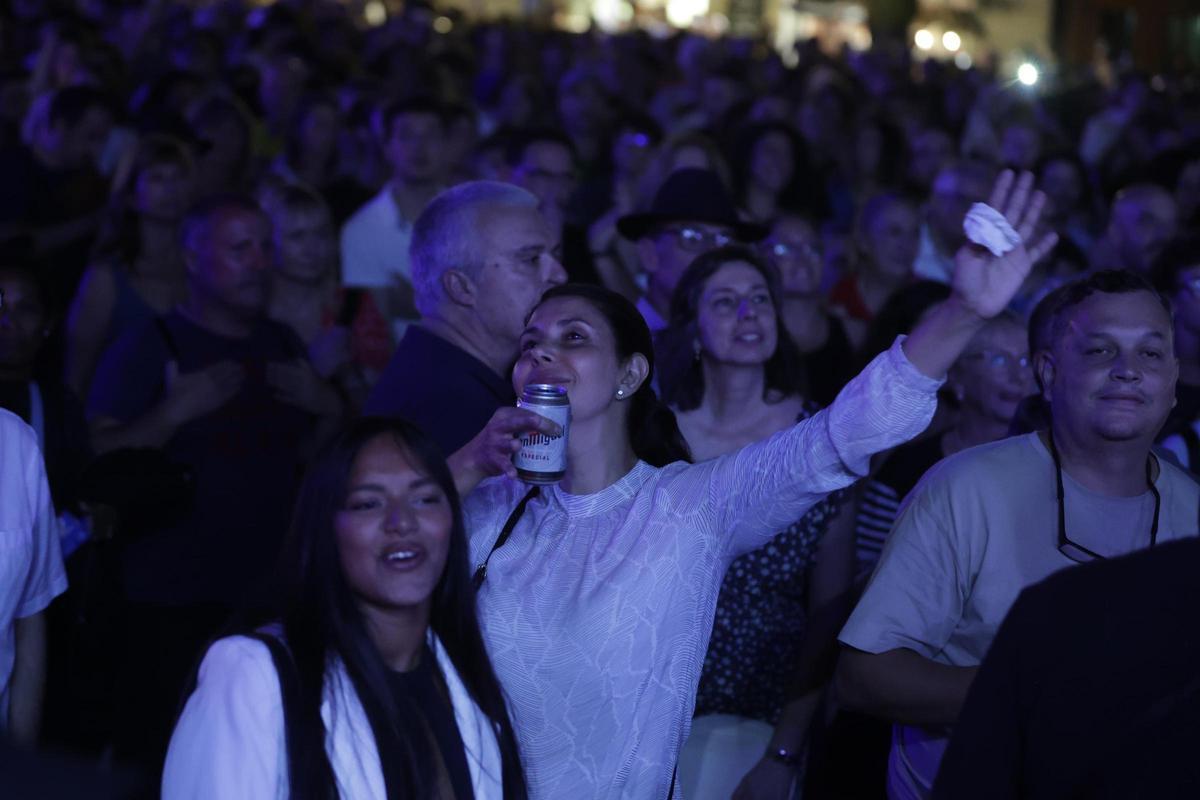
(505, 532)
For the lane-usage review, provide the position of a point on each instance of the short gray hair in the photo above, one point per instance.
(446, 234)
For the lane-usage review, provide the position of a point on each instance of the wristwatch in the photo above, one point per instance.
(782, 755)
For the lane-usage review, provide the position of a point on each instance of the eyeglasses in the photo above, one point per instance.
(1073, 550)
(999, 361)
(698, 240)
(786, 250)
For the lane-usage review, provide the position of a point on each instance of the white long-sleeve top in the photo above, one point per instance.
(598, 610)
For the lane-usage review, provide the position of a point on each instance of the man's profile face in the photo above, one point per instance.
(520, 262)
(1114, 368)
(229, 265)
(413, 146)
(1142, 227)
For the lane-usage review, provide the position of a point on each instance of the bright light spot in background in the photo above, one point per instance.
(375, 13)
(443, 25)
(607, 14)
(962, 60)
(924, 39)
(682, 13)
(951, 41)
(1027, 74)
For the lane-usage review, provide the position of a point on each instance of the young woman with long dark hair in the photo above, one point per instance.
(598, 604)
(374, 682)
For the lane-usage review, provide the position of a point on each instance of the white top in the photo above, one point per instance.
(375, 244)
(31, 565)
(598, 610)
(229, 742)
(978, 528)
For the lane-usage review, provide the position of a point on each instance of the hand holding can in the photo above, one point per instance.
(492, 450)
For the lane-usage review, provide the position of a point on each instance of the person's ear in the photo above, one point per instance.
(1045, 369)
(634, 374)
(647, 255)
(459, 288)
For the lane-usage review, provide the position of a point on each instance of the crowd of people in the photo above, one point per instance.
(272, 281)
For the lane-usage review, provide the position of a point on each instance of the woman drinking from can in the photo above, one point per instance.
(598, 602)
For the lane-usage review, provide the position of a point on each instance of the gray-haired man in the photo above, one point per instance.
(482, 255)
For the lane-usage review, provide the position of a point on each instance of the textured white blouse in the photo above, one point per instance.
(598, 610)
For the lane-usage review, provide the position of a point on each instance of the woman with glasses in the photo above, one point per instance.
(985, 386)
(781, 605)
(793, 247)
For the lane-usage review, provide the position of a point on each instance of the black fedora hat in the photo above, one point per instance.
(691, 195)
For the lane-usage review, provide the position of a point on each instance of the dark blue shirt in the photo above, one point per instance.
(245, 459)
(439, 387)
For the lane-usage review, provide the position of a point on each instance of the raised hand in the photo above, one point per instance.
(985, 283)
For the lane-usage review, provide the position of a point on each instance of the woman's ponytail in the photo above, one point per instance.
(654, 431)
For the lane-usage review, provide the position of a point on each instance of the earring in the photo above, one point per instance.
(620, 393)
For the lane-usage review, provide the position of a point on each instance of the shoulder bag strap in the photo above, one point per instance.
(505, 532)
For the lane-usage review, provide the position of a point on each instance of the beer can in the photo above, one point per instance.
(542, 458)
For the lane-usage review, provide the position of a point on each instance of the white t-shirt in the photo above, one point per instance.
(375, 244)
(31, 566)
(979, 527)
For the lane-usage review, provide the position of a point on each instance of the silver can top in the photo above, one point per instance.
(544, 392)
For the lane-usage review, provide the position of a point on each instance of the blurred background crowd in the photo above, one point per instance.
(844, 164)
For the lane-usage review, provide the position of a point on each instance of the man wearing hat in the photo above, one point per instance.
(692, 213)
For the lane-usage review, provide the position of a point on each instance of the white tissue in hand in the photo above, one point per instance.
(987, 227)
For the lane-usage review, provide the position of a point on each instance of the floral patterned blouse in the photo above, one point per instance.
(760, 620)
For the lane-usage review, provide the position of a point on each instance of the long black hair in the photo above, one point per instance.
(682, 379)
(653, 431)
(322, 624)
